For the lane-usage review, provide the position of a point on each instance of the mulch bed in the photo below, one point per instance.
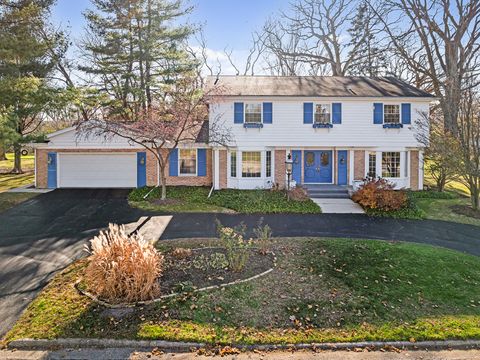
(167, 202)
(203, 268)
(466, 211)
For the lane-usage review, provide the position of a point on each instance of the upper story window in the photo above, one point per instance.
(187, 159)
(391, 164)
(253, 113)
(322, 114)
(391, 114)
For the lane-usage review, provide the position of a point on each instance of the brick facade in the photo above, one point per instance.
(280, 171)
(222, 164)
(414, 163)
(359, 165)
(152, 167)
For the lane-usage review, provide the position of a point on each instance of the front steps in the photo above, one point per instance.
(327, 191)
(333, 199)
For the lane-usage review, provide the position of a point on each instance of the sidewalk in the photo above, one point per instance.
(92, 354)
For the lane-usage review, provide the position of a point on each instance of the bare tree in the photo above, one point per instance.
(469, 138)
(439, 40)
(313, 32)
(177, 120)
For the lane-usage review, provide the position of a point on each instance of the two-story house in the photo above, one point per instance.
(337, 130)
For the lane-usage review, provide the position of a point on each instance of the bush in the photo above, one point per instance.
(122, 267)
(432, 194)
(378, 194)
(298, 194)
(263, 237)
(409, 211)
(237, 247)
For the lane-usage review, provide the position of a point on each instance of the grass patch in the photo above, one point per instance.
(10, 181)
(8, 200)
(28, 163)
(321, 290)
(441, 209)
(195, 199)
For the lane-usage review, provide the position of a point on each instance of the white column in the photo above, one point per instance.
(351, 167)
(403, 159)
(216, 169)
(420, 170)
(378, 163)
(407, 167)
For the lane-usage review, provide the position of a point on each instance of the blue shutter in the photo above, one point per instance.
(337, 113)
(238, 113)
(52, 170)
(173, 163)
(406, 114)
(308, 113)
(297, 166)
(267, 113)
(202, 162)
(141, 169)
(378, 113)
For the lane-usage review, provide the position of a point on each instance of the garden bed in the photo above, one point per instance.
(208, 267)
(322, 290)
(195, 199)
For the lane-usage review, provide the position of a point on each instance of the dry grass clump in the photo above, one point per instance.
(181, 253)
(123, 267)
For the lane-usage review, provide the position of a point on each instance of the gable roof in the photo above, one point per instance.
(315, 86)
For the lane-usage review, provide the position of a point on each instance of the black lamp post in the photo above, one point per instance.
(288, 168)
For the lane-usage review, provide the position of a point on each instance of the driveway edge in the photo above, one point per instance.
(171, 346)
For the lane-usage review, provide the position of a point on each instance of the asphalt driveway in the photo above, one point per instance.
(43, 235)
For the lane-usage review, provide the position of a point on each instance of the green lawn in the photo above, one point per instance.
(321, 290)
(10, 181)
(441, 209)
(8, 200)
(195, 199)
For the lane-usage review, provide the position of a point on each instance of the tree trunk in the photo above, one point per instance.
(474, 197)
(17, 166)
(163, 181)
(2, 153)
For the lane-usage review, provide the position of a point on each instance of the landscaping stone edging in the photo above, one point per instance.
(171, 346)
(163, 297)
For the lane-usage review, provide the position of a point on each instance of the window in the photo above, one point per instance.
(251, 164)
(188, 161)
(268, 163)
(322, 113)
(391, 114)
(372, 165)
(233, 164)
(391, 164)
(253, 113)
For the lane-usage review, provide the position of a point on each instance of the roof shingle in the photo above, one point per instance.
(315, 86)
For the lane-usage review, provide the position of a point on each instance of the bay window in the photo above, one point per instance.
(372, 165)
(251, 164)
(268, 163)
(391, 164)
(233, 164)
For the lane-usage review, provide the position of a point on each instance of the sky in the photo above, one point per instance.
(226, 23)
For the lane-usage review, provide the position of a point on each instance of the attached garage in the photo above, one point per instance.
(97, 170)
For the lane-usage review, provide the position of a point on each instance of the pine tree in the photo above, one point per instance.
(24, 70)
(369, 59)
(133, 51)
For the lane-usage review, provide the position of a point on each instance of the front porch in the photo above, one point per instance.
(333, 199)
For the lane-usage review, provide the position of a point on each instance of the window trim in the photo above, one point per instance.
(330, 104)
(242, 162)
(399, 113)
(179, 162)
(245, 112)
(399, 164)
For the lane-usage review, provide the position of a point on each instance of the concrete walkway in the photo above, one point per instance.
(339, 206)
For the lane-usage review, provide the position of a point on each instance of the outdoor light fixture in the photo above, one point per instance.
(288, 168)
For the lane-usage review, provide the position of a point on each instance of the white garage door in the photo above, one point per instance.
(97, 170)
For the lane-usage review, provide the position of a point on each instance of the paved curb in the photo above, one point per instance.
(170, 346)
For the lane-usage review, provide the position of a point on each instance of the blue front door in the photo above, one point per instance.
(318, 166)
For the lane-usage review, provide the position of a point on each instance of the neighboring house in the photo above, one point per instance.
(338, 130)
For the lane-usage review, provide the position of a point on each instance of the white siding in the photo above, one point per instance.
(288, 130)
(71, 139)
